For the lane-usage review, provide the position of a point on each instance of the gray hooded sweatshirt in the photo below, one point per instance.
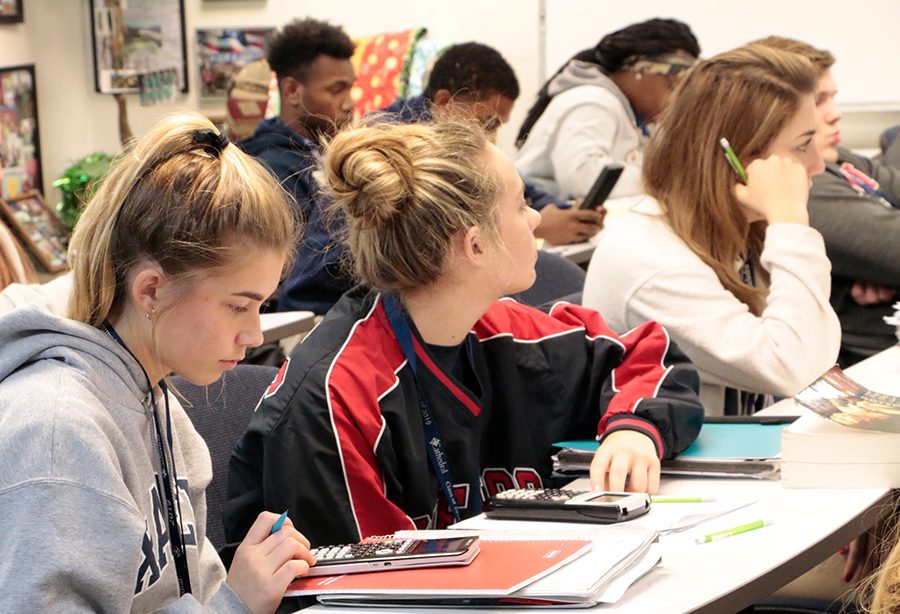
(588, 124)
(82, 518)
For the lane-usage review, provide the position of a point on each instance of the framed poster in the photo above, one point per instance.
(42, 232)
(133, 37)
(11, 11)
(20, 152)
(222, 52)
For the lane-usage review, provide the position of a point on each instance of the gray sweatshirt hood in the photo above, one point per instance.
(28, 334)
(577, 73)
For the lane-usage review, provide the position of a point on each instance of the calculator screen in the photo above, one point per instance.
(605, 498)
(435, 546)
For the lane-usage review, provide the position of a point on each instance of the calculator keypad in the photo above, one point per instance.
(343, 552)
(539, 494)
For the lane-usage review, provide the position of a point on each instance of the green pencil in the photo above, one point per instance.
(733, 159)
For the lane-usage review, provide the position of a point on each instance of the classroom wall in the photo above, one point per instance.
(863, 39)
(76, 121)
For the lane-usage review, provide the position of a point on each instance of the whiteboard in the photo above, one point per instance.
(864, 35)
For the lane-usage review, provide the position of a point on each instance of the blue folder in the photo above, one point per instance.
(720, 441)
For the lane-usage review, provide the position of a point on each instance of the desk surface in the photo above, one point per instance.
(280, 324)
(726, 576)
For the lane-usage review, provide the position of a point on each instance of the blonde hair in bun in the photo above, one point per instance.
(405, 191)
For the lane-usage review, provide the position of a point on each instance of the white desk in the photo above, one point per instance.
(281, 324)
(727, 576)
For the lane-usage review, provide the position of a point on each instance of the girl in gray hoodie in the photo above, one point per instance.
(102, 475)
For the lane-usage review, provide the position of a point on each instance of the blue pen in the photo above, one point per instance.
(280, 522)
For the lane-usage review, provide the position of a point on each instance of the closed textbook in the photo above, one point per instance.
(819, 453)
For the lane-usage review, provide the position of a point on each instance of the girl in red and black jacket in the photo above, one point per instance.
(422, 391)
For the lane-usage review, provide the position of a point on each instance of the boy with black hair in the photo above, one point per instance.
(311, 60)
(473, 79)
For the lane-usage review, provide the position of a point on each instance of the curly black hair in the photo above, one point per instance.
(472, 68)
(293, 49)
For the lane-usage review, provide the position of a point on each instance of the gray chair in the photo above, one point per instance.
(220, 413)
(557, 279)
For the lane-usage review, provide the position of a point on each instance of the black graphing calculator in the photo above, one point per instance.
(566, 505)
(384, 553)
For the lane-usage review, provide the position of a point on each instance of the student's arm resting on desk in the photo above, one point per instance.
(636, 391)
(645, 382)
(583, 147)
(793, 341)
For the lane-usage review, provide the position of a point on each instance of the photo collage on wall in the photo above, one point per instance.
(222, 52)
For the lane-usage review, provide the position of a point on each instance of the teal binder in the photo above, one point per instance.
(735, 441)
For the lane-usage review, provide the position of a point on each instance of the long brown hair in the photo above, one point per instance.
(746, 95)
(182, 197)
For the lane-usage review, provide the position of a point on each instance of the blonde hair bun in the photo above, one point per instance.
(405, 191)
(372, 173)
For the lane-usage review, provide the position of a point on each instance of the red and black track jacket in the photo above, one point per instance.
(338, 438)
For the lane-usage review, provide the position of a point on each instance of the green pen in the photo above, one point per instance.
(733, 159)
(682, 500)
(750, 526)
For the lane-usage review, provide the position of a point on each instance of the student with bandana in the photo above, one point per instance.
(596, 109)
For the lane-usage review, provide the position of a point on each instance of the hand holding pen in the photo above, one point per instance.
(774, 189)
(272, 554)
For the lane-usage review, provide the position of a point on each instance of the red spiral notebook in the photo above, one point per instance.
(502, 567)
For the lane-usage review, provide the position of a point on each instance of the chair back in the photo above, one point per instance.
(220, 412)
(558, 278)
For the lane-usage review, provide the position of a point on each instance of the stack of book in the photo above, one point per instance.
(849, 440)
(748, 447)
(521, 570)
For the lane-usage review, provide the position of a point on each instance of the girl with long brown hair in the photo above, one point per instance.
(731, 268)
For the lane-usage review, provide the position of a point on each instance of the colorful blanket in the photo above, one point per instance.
(382, 64)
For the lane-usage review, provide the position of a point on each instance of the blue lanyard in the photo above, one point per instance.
(170, 485)
(433, 444)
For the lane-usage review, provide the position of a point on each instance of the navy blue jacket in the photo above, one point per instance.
(316, 282)
(418, 109)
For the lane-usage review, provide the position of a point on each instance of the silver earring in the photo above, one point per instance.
(151, 313)
(638, 76)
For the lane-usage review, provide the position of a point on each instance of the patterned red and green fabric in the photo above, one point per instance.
(382, 68)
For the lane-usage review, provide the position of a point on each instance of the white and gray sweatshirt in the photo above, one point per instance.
(82, 518)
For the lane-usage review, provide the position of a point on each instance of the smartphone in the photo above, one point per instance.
(604, 184)
(566, 505)
(385, 553)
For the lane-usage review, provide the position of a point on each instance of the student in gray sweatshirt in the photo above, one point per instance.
(855, 204)
(102, 476)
